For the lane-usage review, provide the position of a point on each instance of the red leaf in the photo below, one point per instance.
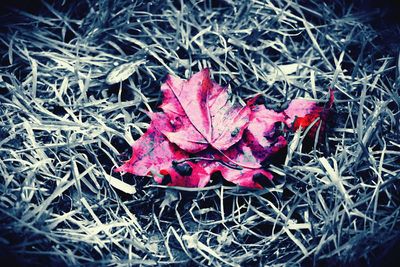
(303, 112)
(200, 132)
(152, 152)
(198, 110)
(263, 123)
(186, 173)
(246, 177)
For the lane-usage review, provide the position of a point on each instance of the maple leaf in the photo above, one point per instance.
(200, 132)
(152, 152)
(199, 110)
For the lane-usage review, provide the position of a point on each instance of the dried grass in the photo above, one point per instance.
(63, 129)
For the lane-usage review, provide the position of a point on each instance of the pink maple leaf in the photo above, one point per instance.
(200, 132)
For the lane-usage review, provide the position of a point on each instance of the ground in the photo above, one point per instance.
(64, 129)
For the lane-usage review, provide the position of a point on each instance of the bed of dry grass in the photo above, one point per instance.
(63, 129)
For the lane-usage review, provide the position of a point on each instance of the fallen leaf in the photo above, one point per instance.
(198, 110)
(152, 152)
(123, 71)
(303, 112)
(200, 132)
